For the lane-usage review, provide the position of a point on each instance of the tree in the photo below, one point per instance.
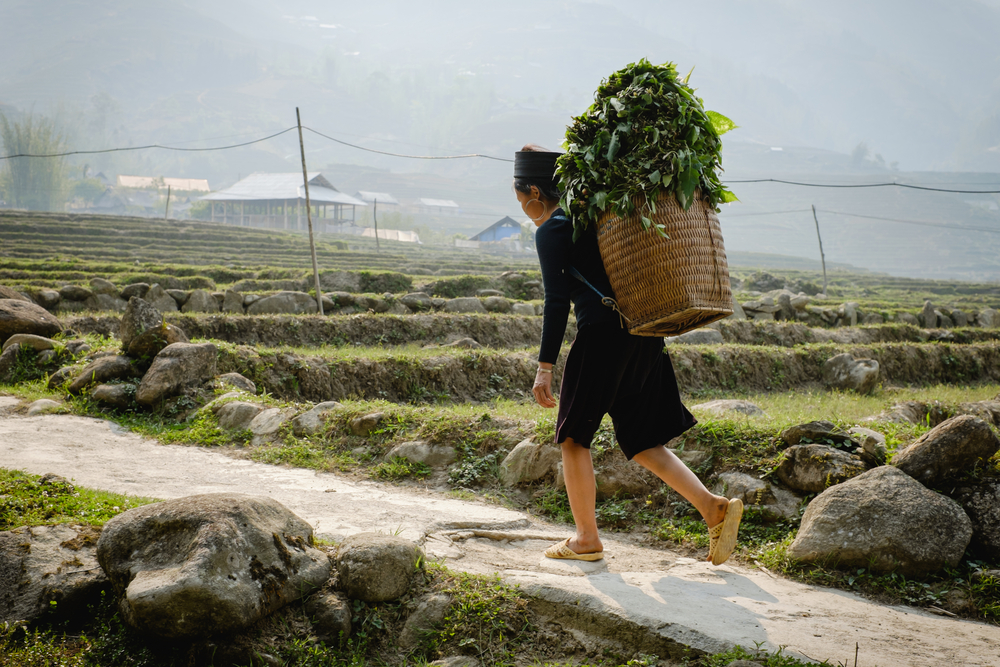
(33, 183)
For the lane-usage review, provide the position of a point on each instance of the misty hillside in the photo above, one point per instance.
(851, 90)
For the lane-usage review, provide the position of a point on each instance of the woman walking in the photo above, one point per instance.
(608, 371)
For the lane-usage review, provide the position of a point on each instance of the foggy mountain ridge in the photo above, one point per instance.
(915, 82)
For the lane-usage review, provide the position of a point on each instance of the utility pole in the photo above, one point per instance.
(312, 243)
(375, 218)
(166, 213)
(822, 257)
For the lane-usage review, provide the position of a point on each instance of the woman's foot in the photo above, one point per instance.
(717, 512)
(722, 536)
(586, 546)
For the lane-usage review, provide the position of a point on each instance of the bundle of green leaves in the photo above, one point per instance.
(646, 134)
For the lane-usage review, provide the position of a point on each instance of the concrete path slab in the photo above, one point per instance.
(645, 595)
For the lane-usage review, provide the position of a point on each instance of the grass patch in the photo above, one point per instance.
(26, 501)
(398, 468)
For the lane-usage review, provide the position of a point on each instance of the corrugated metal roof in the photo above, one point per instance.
(441, 203)
(263, 187)
(380, 197)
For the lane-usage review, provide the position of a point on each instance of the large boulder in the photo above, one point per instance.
(103, 286)
(74, 293)
(237, 415)
(886, 521)
(813, 468)
(135, 289)
(48, 566)
(11, 293)
(209, 564)
(496, 304)
(25, 317)
(950, 448)
(148, 344)
(102, 302)
(102, 370)
(529, 461)
(981, 502)
(377, 568)
(232, 302)
(139, 316)
(177, 367)
(417, 301)
(159, 299)
(201, 301)
(291, 303)
(843, 371)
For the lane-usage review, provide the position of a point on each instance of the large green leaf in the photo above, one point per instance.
(720, 123)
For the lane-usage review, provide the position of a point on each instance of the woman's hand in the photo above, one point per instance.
(543, 386)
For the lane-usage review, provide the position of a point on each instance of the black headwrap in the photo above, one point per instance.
(535, 167)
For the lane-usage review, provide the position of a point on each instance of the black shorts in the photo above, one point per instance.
(610, 371)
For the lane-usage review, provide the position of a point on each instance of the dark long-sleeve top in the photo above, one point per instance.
(557, 252)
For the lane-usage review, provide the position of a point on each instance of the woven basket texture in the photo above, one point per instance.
(667, 286)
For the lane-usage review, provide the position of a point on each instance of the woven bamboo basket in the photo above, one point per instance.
(666, 286)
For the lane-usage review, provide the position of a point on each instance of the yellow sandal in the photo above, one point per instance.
(722, 536)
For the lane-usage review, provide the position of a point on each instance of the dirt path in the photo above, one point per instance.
(653, 594)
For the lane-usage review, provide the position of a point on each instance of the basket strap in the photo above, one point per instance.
(606, 300)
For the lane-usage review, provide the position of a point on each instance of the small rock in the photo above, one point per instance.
(438, 303)
(527, 462)
(292, 303)
(102, 370)
(377, 568)
(722, 407)
(232, 302)
(341, 299)
(928, 316)
(46, 567)
(25, 317)
(489, 292)
(960, 318)
(988, 318)
(105, 303)
(417, 301)
(817, 431)
(873, 450)
(456, 661)
(201, 301)
(139, 317)
(102, 286)
(268, 422)
(179, 296)
(420, 451)
(149, 343)
(44, 406)
(8, 363)
(11, 293)
(464, 343)
(364, 425)
(521, 308)
(75, 293)
(813, 468)
(774, 502)
(464, 304)
(250, 298)
(908, 318)
(313, 421)
(119, 396)
(47, 298)
(37, 343)
(697, 337)
(57, 379)
(177, 367)
(948, 449)
(237, 415)
(431, 611)
(885, 521)
(238, 381)
(135, 289)
(159, 299)
(981, 501)
(330, 616)
(496, 304)
(843, 371)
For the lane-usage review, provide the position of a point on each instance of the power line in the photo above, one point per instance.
(923, 223)
(864, 185)
(141, 148)
(413, 157)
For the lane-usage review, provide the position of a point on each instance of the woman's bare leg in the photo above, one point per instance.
(578, 471)
(664, 464)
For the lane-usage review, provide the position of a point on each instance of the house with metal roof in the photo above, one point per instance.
(373, 197)
(502, 229)
(278, 201)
